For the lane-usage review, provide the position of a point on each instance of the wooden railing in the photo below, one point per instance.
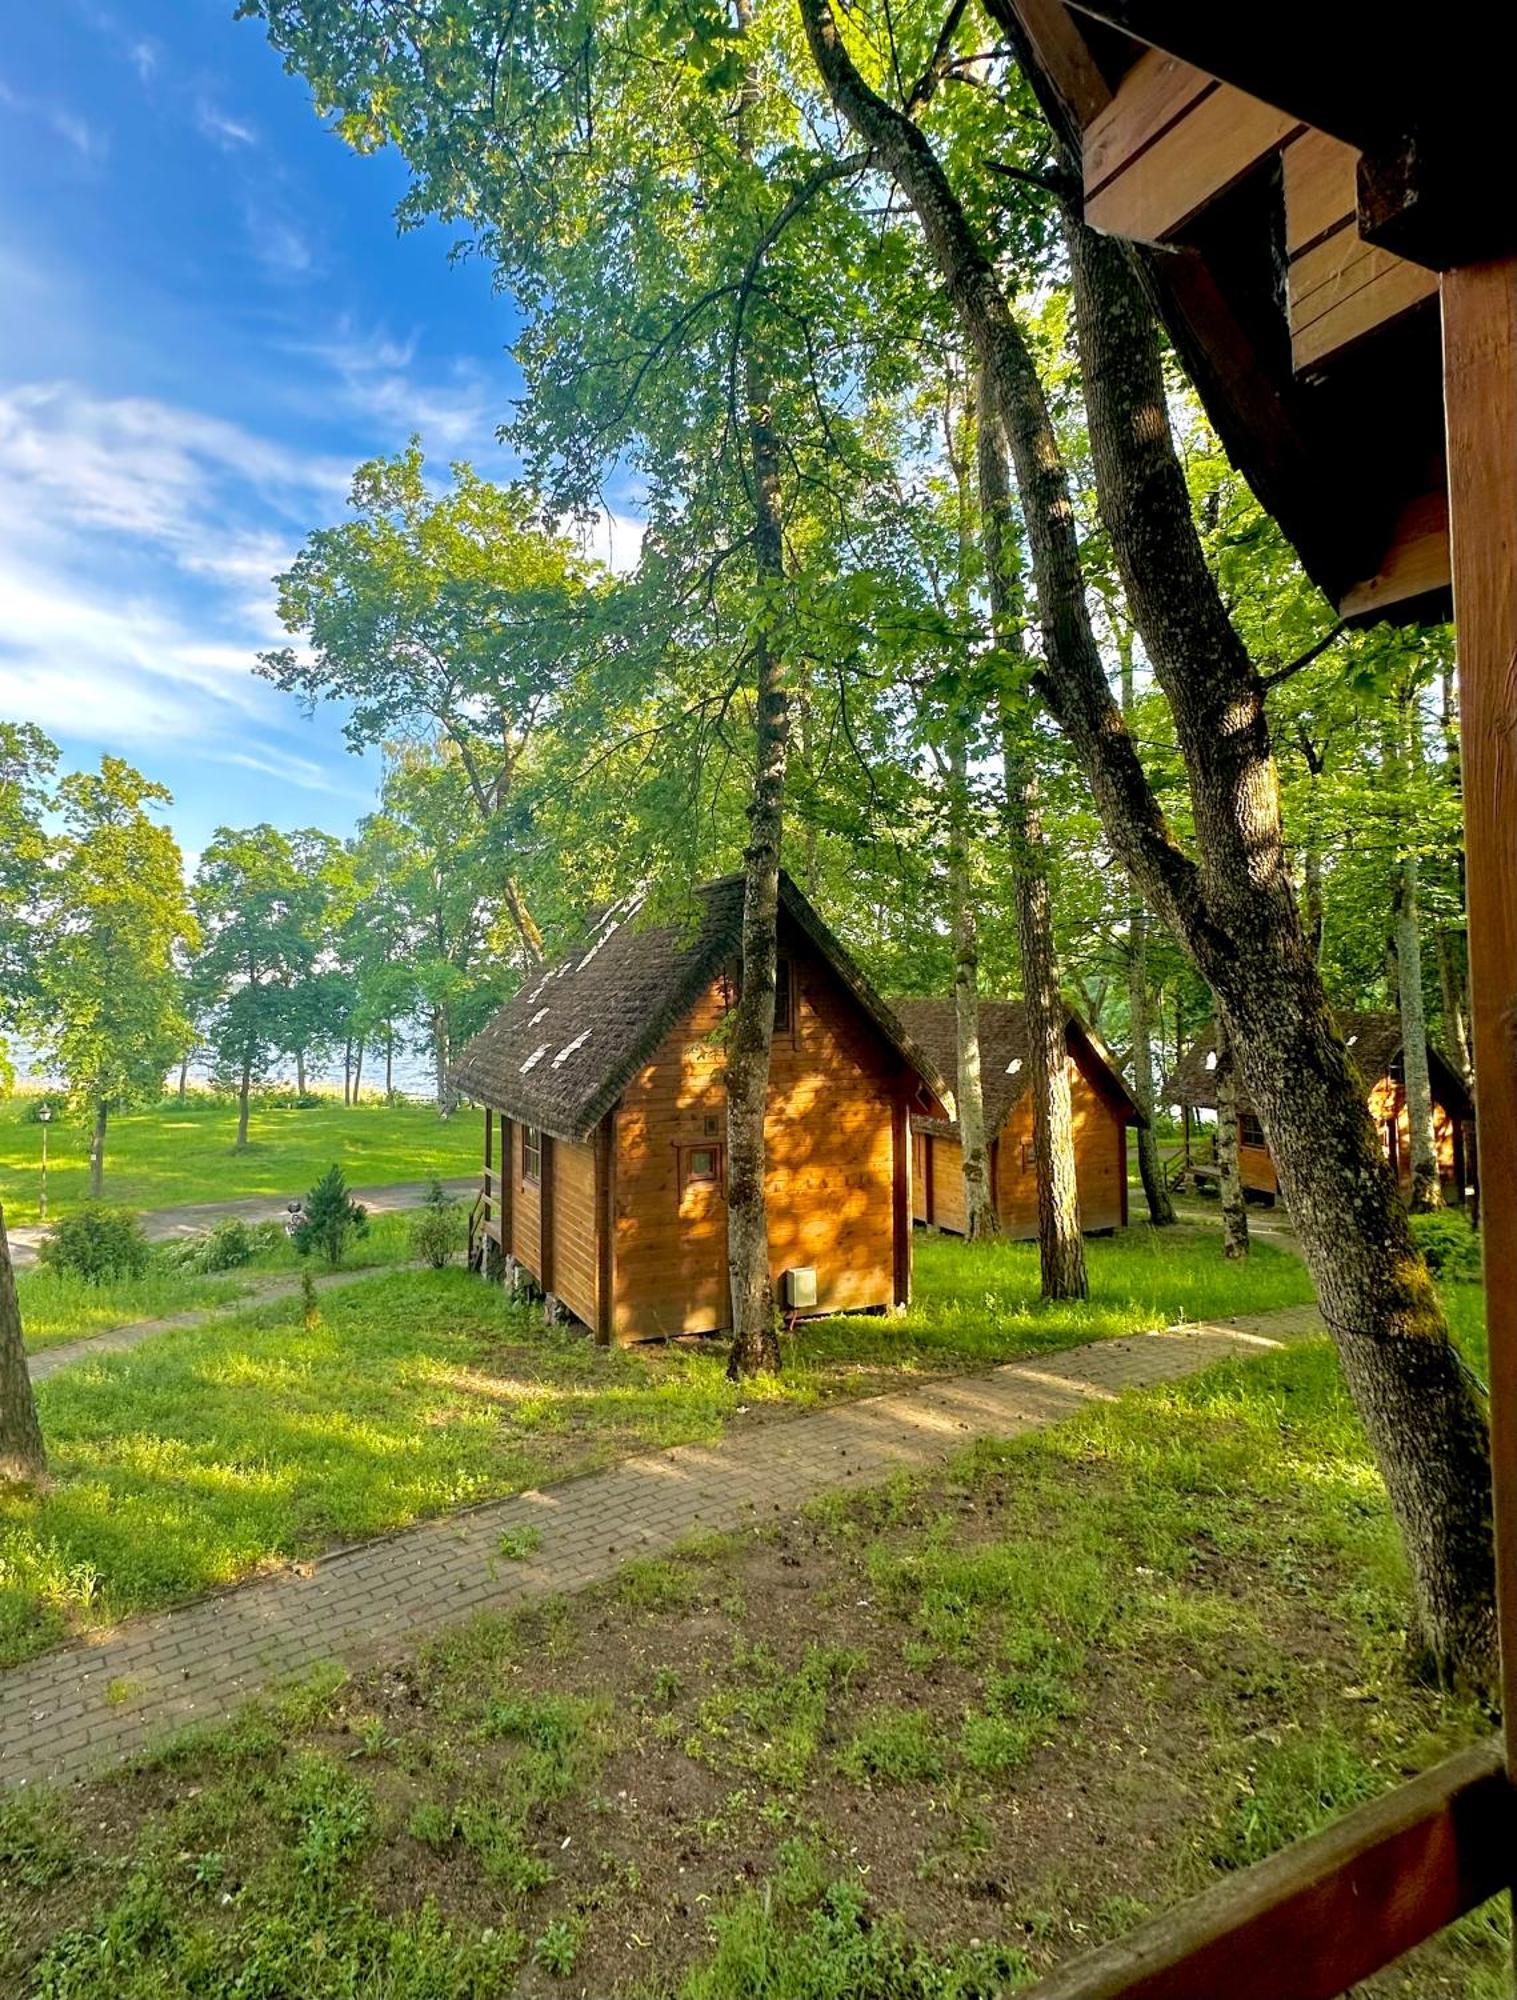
(1313, 1920)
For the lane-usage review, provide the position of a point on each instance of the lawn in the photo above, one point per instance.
(211, 1453)
(57, 1306)
(919, 1743)
(186, 1153)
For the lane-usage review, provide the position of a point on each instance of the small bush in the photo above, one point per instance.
(1451, 1247)
(331, 1219)
(97, 1242)
(32, 1109)
(227, 1247)
(436, 1230)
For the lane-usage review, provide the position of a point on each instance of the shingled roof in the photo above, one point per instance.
(1003, 1055)
(560, 1054)
(1373, 1040)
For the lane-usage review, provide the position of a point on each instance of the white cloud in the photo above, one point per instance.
(89, 141)
(221, 128)
(278, 244)
(379, 381)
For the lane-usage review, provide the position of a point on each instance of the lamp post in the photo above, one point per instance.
(44, 1118)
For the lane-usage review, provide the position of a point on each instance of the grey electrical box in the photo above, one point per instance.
(800, 1288)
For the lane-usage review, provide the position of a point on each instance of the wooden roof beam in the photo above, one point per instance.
(1171, 139)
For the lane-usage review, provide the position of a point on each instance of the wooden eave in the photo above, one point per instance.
(1315, 352)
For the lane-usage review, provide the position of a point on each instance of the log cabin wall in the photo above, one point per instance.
(830, 1168)
(1100, 1162)
(574, 1261)
(526, 1202)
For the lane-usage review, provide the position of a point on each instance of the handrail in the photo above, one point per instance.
(1326, 1912)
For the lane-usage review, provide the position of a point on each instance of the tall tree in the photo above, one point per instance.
(1230, 1186)
(254, 901)
(1403, 748)
(113, 916)
(23, 1457)
(1232, 907)
(452, 613)
(1061, 1249)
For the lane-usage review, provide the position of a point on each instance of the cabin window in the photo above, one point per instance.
(784, 1005)
(531, 1153)
(1029, 1156)
(1250, 1131)
(701, 1167)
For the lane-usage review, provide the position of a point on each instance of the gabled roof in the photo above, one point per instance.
(1373, 1040)
(1003, 1056)
(560, 1054)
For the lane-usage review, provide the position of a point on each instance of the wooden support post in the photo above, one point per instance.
(545, 1214)
(605, 1230)
(929, 1182)
(900, 1189)
(507, 1184)
(1480, 411)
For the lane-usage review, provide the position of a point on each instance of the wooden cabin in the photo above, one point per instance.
(1322, 202)
(605, 1124)
(1374, 1041)
(1103, 1109)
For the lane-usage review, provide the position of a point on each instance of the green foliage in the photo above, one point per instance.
(893, 1746)
(331, 1219)
(95, 1243)
(226, 1246)
(437, 1228)
(112, 919)
(1449, 1244)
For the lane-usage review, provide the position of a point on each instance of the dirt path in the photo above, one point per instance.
(88, 1705)
(117, 1339)
(164, 1225)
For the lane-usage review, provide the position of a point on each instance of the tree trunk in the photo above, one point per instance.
(1234, 1209)
(1161, 1210)
(1234, 912)
(531, 937)
(441, 1052)
(184, 1075)
(1061, 1249)
(243, 1094)
(23, 1460)
(755, 1333)
(389, 1061)
(1237, 917)
(1456, 1001)
(358, 1070)
(1427, 1189)
(347, 1071)
(97, 1149)
(300, 1072)
(979, 1201)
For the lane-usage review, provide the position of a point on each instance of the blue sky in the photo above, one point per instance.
(207, 319)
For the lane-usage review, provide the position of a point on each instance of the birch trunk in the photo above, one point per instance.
(1234, 1209)
(97, 1149)
(1232, 908)
(1456, 1001)
(755, 1328)
(1061, 1249)
(244, 1090)
(1161, 1210)
(23, 1460)
(979, 1202)
(1427, 1189)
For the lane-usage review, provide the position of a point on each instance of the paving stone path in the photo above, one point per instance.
(84, 1706)
(164, 1225)
(117, 1339)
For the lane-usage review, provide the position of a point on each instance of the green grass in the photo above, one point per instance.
(174, 1153)
(1019, 1705)
(209, 1453)
(58, 1307)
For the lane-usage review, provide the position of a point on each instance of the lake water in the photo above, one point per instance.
(414, 1074)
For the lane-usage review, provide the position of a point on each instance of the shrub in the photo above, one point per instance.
(1446, 1240)
(227, 1247)
(331, 1218)
(97, 1242)
(435, 1228)
(32, 1108)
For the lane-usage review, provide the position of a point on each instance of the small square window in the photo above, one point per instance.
(784, 1009)
(713, 1126)
(703, 1164)
(1250, 1131)
(1029, 1156)
(531, 1153)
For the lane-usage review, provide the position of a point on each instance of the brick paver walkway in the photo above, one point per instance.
(117, 1339)
(84, 1706)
